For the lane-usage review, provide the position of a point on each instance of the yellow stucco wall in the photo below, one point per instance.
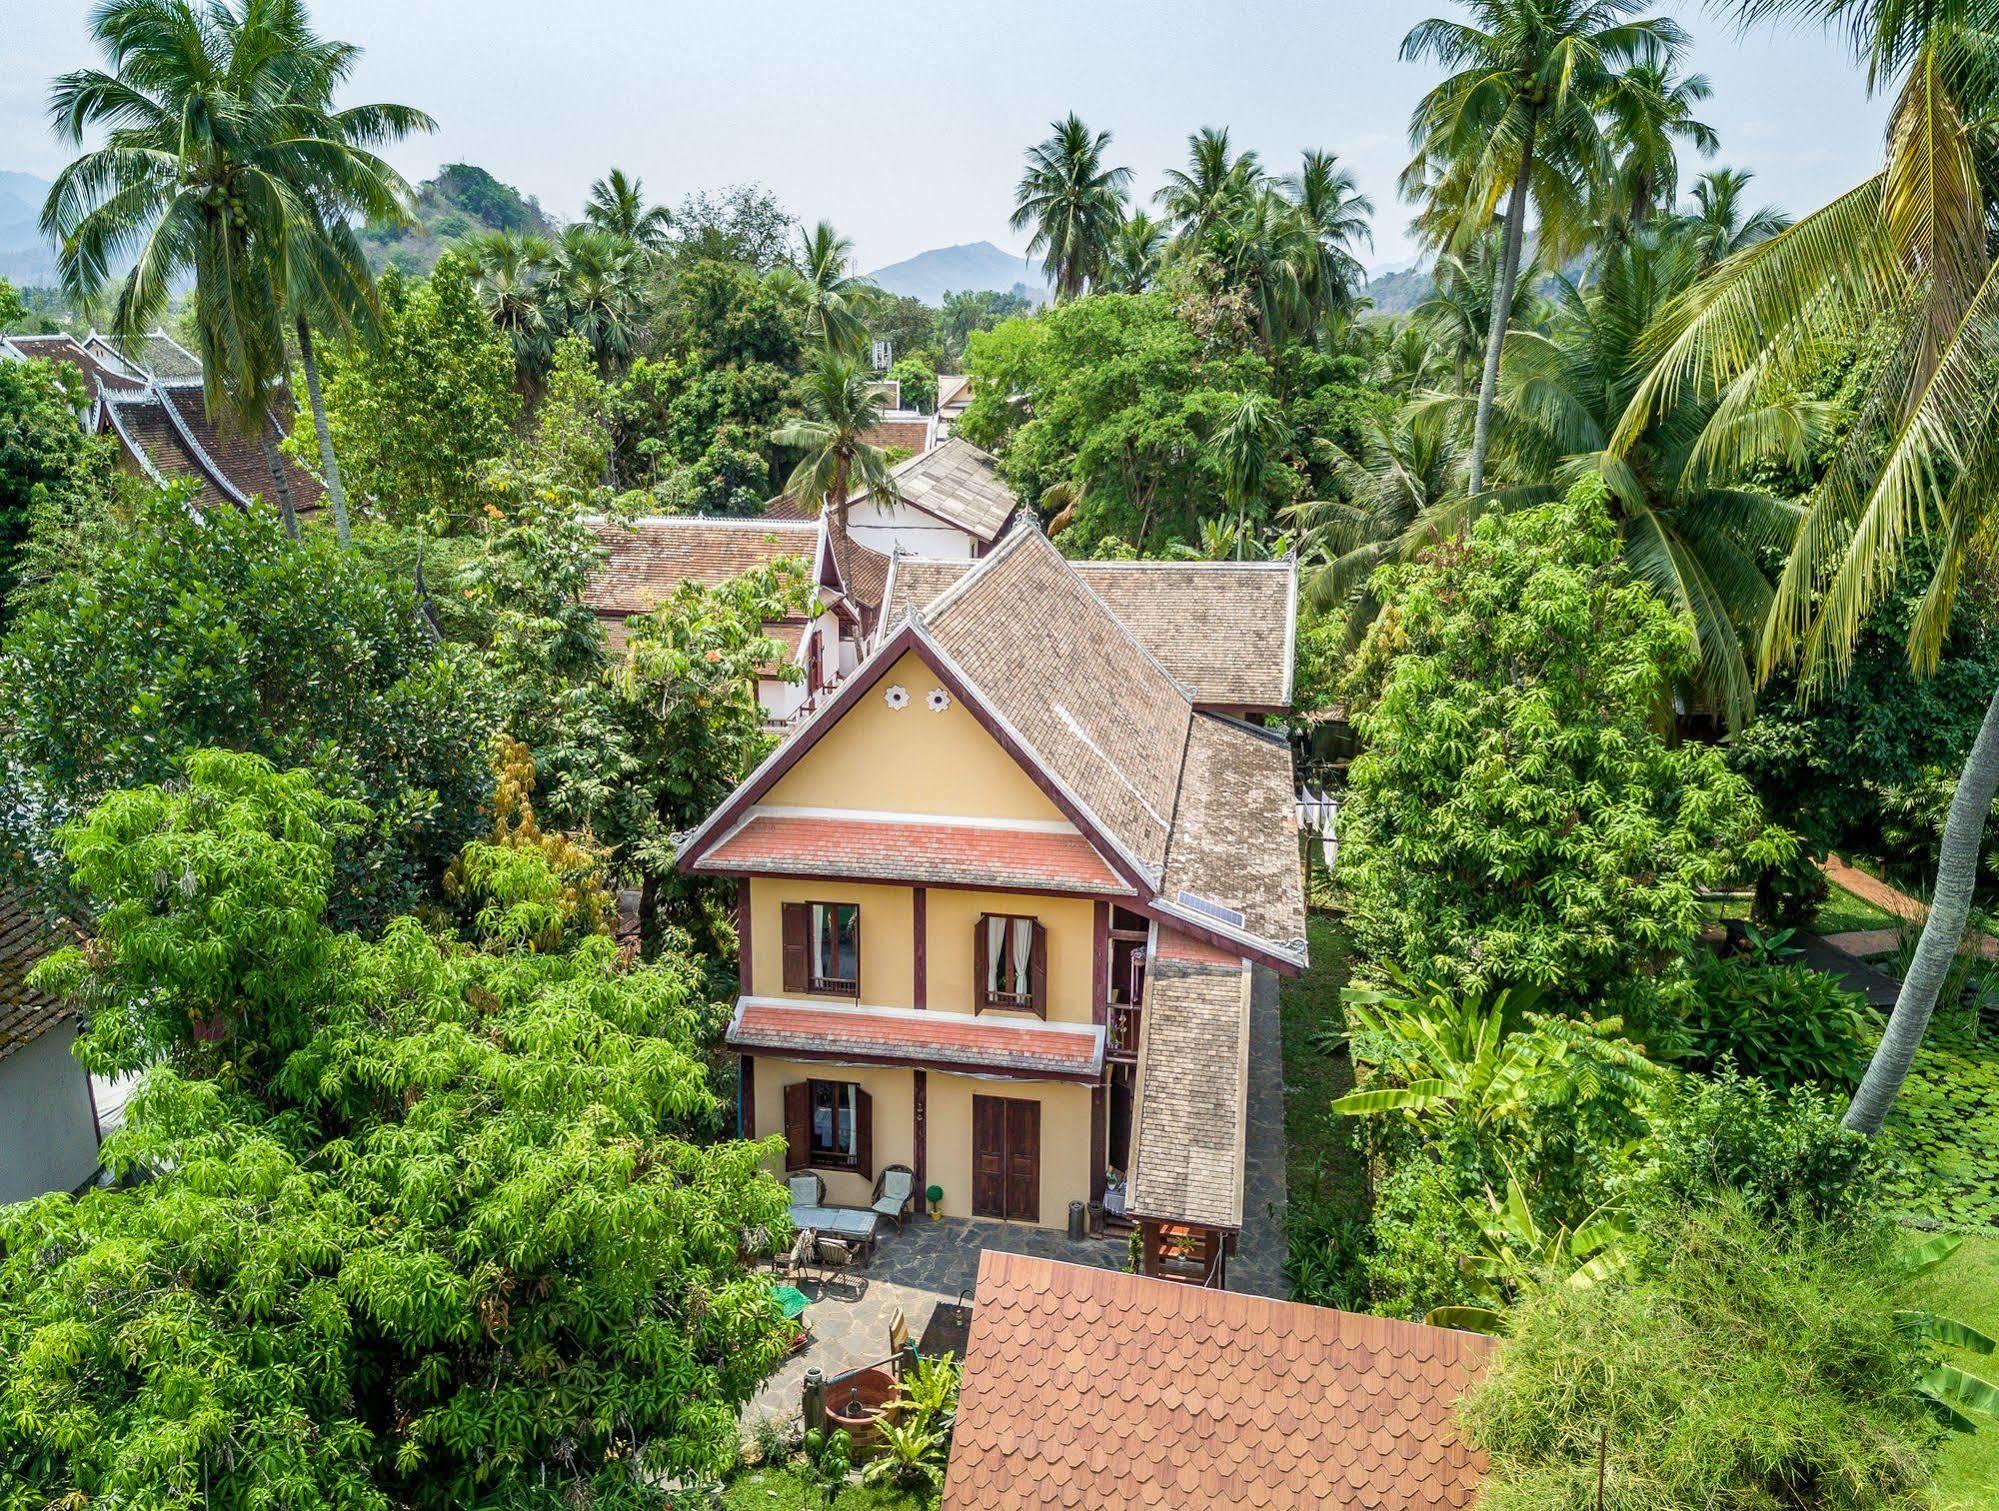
(911, 760)
(951, 919)
(888, 936)
(1066, 1154)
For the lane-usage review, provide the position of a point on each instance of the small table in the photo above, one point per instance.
(791, 1301)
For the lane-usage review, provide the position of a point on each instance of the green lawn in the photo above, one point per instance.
(1844, 913)
(783, 1490)
(1326, 1180)
(1967, 1288)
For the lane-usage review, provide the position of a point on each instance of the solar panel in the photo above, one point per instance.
(1211, 909)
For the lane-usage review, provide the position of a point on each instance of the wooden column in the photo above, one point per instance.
(746, 1076)
(1100, 1013)
(921, 1162)
(743, 936)
(746, 1095)
(919, 906)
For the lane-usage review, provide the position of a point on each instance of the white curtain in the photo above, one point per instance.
(1023, 956)
(995, 955)
(823, 964)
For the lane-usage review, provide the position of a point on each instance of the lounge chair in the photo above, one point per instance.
(839, 1257)
(895, 1193)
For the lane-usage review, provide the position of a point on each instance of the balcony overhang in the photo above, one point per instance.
(862, 1035)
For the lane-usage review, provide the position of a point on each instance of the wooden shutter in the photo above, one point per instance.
(1037, 968)
(797, 946)
(798, 1125)
(857, 952)
(982, 964)
(864, 1134)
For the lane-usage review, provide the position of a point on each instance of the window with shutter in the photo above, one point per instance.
(1010, 959)
(797, 946)
(864, 1134)
(798, 1125)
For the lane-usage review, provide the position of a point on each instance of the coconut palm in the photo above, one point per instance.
(617, 205)
(1336, 215)
(842, 405)
(1518, 119)
(1136, 251)
(1905, 251)
(836, 300)
(511, 265)
(1262, 247)
(1216, 182)
(1074, 203)
(225, 163)
(1458, 313)
(1650, 115)
(1404, 360)
(1716, 226)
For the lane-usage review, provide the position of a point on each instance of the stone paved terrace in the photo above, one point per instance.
(932, 1261)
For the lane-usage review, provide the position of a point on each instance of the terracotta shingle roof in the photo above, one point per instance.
(1193, 1090)
(25, 937)
(1102, 716)
(1223, 628)
(915, 581)
(647, 559)
(958, 483)
(903, 1035)
(154, 444)
(909, 432)
(1235, 836)
(238, 458)
(1087, 1388)
(776, 844)
(101, 372)
(863, 570)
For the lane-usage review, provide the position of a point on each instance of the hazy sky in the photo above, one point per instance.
(904, 124)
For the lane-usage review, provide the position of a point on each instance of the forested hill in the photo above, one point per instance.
(462, 200)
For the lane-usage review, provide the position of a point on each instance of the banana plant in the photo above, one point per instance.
(1949, 1392)
(1517, 1250)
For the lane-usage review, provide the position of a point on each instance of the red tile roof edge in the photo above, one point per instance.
(914, 1037)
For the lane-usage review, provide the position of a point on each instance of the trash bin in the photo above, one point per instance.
(1079, 1219)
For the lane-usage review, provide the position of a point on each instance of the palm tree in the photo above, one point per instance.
(1336, 214)
(1405, 360)
(1136, 251)
(224, 161)
(1692, 528)
(1458, 313)
(1518, 119)
(841, 407)
(1650, 114)
(1074, 203)
(1716, 225)
(593, 287)
(618, 206)
(511, 265)
(836, 300)
(1906, 250)
(1215, 183)
(1263, 247)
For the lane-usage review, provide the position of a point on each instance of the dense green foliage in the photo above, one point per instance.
(429, 1223)
(1515, 816)
(1945, 1136)
(180, 632)
(1776, 1019)
(1741, 1367)
(48, 467)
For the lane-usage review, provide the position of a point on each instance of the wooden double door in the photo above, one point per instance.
(1006, 1158)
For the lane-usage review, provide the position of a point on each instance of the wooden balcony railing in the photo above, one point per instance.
(1121, 1043)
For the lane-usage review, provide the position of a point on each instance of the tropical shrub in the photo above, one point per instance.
(1515, 817)
(1741, 1366)
(1776, 1019)
(47, 463)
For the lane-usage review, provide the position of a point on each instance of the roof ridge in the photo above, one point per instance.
(201, 455)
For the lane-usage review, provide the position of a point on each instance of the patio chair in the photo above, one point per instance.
(807, 1191)
(895, 1193)
(839, 1257)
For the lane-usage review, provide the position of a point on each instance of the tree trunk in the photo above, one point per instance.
(1502, 313)
(1943, 930)
(329, 465)
(835, 510)
(281, 484)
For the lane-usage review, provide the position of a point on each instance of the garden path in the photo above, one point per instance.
(1891, 899)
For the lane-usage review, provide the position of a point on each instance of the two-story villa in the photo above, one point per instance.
(1001, 896)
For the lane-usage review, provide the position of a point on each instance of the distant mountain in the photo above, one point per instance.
(24, 257)
(461, 201)
(931, 275)
(1400, 291)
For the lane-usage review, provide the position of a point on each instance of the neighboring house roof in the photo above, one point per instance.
(959, 484)
(1085, 1387)
(902, 1035)
(863, 571)
(101, 371)
(1224, 629)
(866, 847)
(910, 432)
(953, 390)
(166, 431)
(155, 354)
(1235, 833)
(647, 559)
(25, 937)
(1191, 1112)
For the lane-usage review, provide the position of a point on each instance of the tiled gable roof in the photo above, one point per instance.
(1098, 712)
(863, 570)
(863, 847)
(956, 482)
(646, 559)
(155, 354)
(953, 389)
(1084, 1387)
(100, 373)
(154, 444)
(1223, 628)
(25, 937)
(1235, 835)
(238, 458)
(910, 432)
(904, 1035)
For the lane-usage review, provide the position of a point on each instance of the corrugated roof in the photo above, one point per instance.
(1084, 1387)
(909, 1035)
(861, 847)
(1192, 1107)
(25, 937)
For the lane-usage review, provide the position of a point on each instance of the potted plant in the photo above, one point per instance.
(935, 1196)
